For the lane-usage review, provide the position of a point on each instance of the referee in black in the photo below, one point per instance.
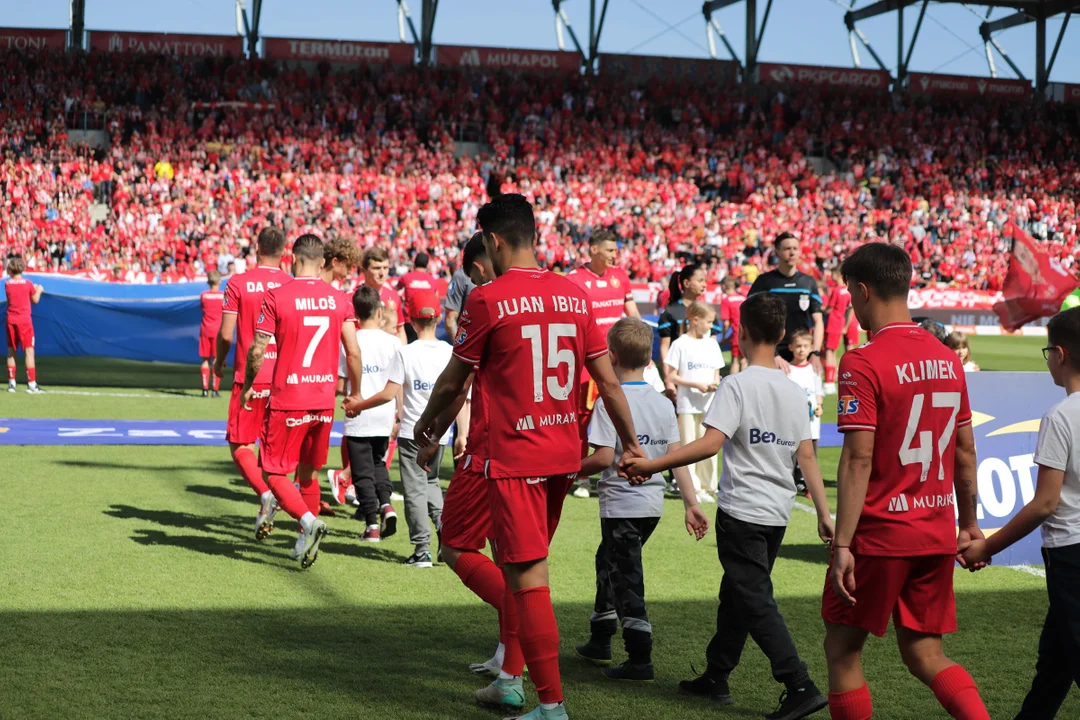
(800, 292)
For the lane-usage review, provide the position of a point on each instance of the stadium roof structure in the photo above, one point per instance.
(1026, 11)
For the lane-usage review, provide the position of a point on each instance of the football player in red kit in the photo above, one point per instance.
(840, 319)
(240, 311)
(528, 333)
(610, 299)
(897, 491)
(307, 319)
(210, 301)
(21, 296)
(730, 315)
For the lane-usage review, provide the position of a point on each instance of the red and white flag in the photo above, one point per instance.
(1035, 285)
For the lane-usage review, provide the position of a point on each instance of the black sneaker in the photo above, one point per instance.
(631, 673)
(216, 394)
(418, 560)
(799, 703)
(205, 393)
(714, 688)
(596, 654)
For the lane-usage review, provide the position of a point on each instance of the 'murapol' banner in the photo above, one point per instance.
(1007, 408)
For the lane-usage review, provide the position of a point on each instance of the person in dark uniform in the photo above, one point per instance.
(799, 292)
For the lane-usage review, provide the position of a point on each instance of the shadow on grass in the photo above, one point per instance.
(408, 661)
(817, 554)
(114, 373)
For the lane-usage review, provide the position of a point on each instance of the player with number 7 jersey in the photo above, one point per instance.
(308, 318)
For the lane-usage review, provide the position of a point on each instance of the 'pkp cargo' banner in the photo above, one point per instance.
(26, 39)
(782, 74)
(927, 84)
(1006, 429)
(338, 51)
(507, 58)
(167, 44)
(645, 66)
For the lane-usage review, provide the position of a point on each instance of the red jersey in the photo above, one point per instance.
(529, 333)
(243, 298)
(474, 446)
(20, 292)
(839, 302)
(392, 302)
(914, 386)
(210, 301)
(731, 311)
(305, 318)
(413, 282)
(608, 295)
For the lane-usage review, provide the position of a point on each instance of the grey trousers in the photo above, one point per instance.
(423, 496)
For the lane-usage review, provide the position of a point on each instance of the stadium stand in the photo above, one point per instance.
(203, 152)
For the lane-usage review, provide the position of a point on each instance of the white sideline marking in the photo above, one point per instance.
(1029, 569)
(88, 393)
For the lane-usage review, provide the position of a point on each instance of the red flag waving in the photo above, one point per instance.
(1036, 284)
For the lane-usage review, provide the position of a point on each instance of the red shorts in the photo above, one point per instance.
(917, 592)
(207, 346)
(524, 515)
(20, 335)
(735, 351)
(832, 339)
(292, 437)
(245, 426)
(853, 333)
(466, 515)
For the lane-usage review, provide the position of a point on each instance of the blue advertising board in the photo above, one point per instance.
(1007, 408)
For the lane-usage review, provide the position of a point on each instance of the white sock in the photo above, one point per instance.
(503, 675)
(550, 706)
(500, 654)
(306, 522)
(33, 384)
(265, 495)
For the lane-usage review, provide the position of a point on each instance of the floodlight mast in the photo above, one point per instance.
(754, 35)
(78, 24)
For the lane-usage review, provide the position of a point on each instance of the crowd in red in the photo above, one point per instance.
(676, 169)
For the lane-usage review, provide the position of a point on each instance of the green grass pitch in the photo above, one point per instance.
(131, 588)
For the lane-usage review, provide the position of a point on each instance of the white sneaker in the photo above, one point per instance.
(396, 497)
(830, 388)
(331, 477)
(264, 521)
(581, 491)
(11, 386)
(35, 390)
(350, 496)
(310, 551)
(705, 498)
(489, 667)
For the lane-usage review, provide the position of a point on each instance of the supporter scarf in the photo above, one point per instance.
(1035, 285)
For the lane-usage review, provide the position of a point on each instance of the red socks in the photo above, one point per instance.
(248, 466)
(483, 577)
(853, 705)
(288, 496)
(538, 634)
(513, 661)
(31, 374)
(390, 453)
(217, 383)
(10, 372)
(956, 691)
(830, 373)
(205, 379)
(311, 493)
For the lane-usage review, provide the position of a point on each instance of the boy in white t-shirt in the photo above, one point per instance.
(804, 375)
(630, 513)
(759, 418)
(412, 375)
(1056, 507)
(367, 435)
(693, 366)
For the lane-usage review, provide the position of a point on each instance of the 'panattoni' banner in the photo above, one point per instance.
(167, 44)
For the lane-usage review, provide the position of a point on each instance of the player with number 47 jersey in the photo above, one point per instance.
(906, 475)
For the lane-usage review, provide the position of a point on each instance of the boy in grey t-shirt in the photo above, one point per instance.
(1055, 507)
(630, 513)
(759, 418)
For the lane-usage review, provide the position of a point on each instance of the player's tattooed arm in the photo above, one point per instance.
(255, 359)
(224, 342)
